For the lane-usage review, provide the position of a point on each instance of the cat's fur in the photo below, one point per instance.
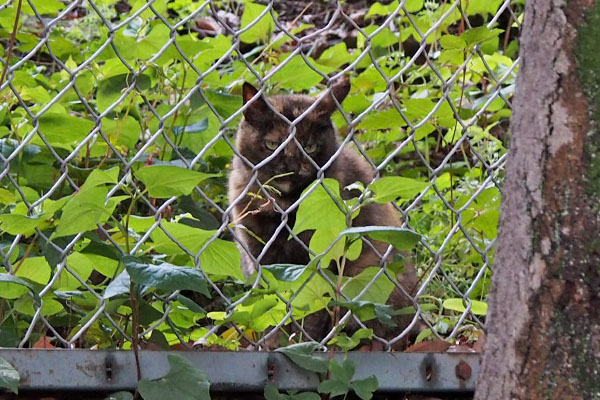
(261, 127)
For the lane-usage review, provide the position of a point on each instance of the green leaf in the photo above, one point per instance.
(410, 310)
(386, 119)
(424, 334)
(7, 197)
(261, 30)
(364, 388)
(342, 371)
(44, 7)
(105, 265)
(314, 296)
(165, 276)
(384, 314)
(50, 306)
(305, 396)
(196, 127)
(384, 38)
(400, 238)
(120, 396)
(487, 221)
(452, 42)
(283, 39)
(336, 56)
(153, 42)
(380, 290)
(418, 109)
(123, 131)
(324, 237)
(379, 9)
(118, 286)
(63, 129)
(366, 310)
(452, 56)
(412, 6)
(265, 312)
(79, 264)
(479, 35)
(222, 258)
(164, 181)
(10, 335)
(35, 94)
(302, 355)
(271, 393)
(346, 343)
(485, 7)
(333, 387)
(188, 237)
(297, 75)
(35, 269)
(100, 177)
(456, 304)
(225, 104)
(389, 188)
(183, 382)
(319, 210)
(286, 272)
(30, 151)
(111, 88)
(191, 304)
(85, 210)
(9, 376)
(16, 224)
(340, 382)
(8, 290)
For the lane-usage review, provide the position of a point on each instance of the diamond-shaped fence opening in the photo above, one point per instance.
(132, 211)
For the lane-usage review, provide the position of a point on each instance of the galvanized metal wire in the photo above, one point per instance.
(433, 267)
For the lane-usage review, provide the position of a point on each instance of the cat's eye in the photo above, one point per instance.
(271, 145)
(311, 148)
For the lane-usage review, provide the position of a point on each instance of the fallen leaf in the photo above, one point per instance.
(430, 346)
(44, 343)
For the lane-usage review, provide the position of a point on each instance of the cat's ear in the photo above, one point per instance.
(248, 92)
(258, 111)
(339, 91)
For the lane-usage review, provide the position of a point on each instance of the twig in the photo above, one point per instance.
(252, 212)
(134, 329)
(11, 43)
(309, 5)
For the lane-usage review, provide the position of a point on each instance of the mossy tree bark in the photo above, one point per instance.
(544, 318)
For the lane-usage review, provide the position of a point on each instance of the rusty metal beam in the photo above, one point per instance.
(88, 370)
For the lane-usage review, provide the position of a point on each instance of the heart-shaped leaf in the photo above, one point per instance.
(165, 276)
(183, 382)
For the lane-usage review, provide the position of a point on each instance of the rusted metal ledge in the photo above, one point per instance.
(88, 370)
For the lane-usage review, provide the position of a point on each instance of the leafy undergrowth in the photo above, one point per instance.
(117, 142)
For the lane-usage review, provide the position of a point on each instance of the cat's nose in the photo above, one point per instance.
(289, 150)
(305, 170)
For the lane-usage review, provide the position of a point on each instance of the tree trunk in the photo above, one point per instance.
(544, 318)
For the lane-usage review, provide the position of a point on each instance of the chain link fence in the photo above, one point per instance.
(118, 129)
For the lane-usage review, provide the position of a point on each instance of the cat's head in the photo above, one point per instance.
(263, 130)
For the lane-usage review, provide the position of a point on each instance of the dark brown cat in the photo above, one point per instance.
(259, 135)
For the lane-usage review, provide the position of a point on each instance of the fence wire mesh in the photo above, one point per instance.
(118, 134)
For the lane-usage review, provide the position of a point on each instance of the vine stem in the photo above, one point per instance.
(134, 329)
(11, 43)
